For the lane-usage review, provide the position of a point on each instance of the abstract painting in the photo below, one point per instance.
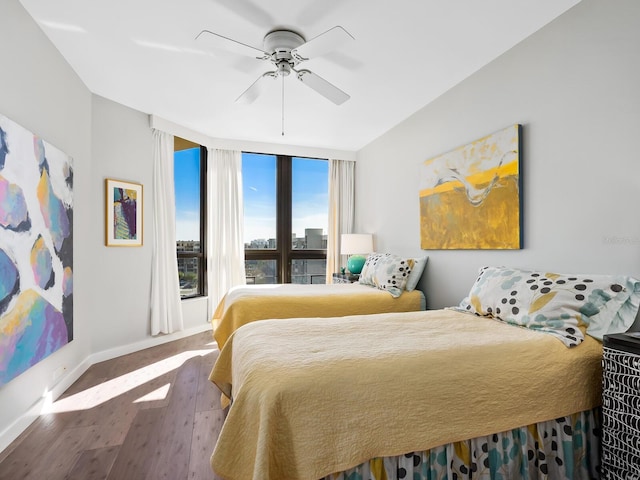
(470, 198)
(124, 213)
(36, 249)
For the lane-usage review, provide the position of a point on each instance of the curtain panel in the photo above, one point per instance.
(341, 210)
(166, 308)
(225, 221)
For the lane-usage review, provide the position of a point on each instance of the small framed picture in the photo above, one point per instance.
(123, 213)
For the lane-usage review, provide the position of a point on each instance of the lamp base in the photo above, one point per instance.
(355, 263)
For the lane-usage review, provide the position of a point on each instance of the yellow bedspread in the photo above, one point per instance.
(248, 303)
(315, 397)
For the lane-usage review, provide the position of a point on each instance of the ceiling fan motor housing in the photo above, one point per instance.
(280, 43)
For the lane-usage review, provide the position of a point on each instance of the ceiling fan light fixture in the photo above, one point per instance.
(284, 68)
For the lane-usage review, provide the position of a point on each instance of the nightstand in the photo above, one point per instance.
(621, 406)
(345, 277)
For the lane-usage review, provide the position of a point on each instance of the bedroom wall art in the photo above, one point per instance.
(123, 213)
(470, 198)
(36, 249)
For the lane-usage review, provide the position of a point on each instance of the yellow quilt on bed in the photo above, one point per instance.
(315, 397)
(248, 303)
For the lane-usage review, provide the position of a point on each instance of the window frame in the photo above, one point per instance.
(201, 256)
(284, 254)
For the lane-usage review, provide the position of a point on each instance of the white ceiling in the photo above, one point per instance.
(143, 54)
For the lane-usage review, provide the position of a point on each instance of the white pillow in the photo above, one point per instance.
(416, 273)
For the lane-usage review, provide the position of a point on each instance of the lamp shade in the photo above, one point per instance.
(359, 243)
(356, 244)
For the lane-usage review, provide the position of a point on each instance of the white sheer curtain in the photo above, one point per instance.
(166, 310)
(225, 248)
(341, 207)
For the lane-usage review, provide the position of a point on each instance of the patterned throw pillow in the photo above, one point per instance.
(386, 272)
(554, 303)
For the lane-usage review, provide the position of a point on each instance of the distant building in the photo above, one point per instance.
(188, 245)
(314, 239)
(261, 243)
(302, 270)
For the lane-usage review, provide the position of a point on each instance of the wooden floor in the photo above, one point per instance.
(149, 415)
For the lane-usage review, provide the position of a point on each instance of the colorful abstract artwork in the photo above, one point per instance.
(124, 213)
(36, 249)
(470, 198)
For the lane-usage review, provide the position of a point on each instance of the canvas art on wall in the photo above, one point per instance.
(123, 213)
(36, 249)
(470, 198)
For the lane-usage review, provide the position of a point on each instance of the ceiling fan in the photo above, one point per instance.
(285, 50)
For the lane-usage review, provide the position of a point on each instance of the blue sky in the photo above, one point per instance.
(187, 184)
(310, 195)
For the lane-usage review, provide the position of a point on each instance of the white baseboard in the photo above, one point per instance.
(14, 430)
(146, 343)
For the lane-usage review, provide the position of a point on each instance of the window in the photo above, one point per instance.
(190, 162)
(286, 210)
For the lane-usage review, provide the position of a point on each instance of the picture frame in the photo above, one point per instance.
(471, 197)
(123, 213)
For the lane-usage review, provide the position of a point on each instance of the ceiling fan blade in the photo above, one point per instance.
(256, 88)
(248, 11)
(324, 88)
(323, 43)
(216, 40)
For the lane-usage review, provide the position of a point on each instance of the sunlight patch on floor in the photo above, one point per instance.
(158, 394)
(94, 396)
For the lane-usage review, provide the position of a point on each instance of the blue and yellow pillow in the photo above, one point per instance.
(559, 304)
(386, 272)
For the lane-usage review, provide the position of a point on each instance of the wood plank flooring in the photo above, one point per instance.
(149, 415)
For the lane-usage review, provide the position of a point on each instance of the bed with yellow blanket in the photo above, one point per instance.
(248, 303)
(506, 385)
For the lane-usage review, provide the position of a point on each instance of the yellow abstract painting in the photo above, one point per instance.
(470, 198)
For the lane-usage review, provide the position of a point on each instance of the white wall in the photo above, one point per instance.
(39, 91)
(121, 145)
(573, 86)
(122, 149)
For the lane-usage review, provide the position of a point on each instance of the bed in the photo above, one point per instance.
(248, 303)
(466, 392)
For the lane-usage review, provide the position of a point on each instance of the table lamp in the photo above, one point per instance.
(357, 245)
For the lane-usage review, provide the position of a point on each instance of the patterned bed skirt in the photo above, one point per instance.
(564, 448)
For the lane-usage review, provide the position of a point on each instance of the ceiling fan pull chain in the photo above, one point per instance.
(282, 105)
